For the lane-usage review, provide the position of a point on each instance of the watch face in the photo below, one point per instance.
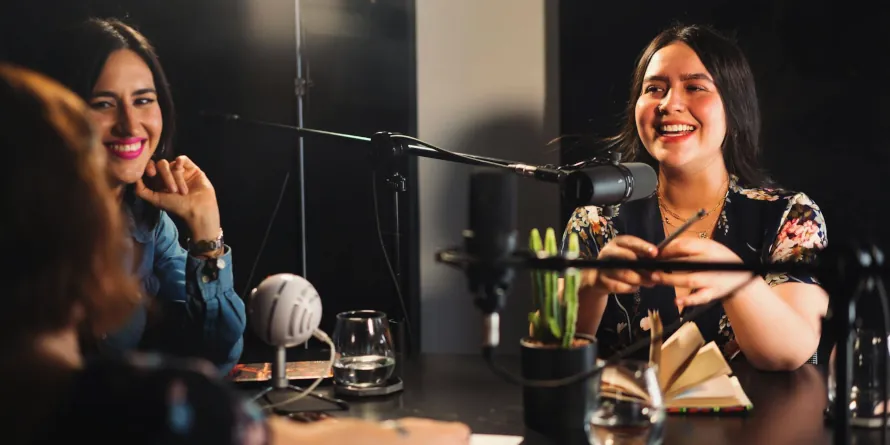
(204, 246)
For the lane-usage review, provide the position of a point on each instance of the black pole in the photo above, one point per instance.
(843, 376)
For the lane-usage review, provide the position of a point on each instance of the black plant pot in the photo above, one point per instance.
(561, 414)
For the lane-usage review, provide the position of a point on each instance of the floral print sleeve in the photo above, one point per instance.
(801, 234)
(593, 230)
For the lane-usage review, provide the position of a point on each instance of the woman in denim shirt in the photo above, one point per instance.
(194, 310)
(75, 279)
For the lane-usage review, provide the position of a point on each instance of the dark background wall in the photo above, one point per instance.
(240, 56)
(819, 69)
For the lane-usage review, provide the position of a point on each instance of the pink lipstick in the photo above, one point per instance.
(127, 148)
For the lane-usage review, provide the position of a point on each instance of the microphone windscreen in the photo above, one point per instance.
(492, 235)
(605, 185)
(493, 205)
(645, 180)
(284, 310)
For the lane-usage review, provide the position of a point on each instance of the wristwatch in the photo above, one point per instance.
(202, 247)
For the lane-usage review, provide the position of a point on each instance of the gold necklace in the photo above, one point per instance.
(678, 217)
(701, 234)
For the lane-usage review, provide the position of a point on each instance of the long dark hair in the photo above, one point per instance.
(79, 55)
(735, 83)
(77, 59)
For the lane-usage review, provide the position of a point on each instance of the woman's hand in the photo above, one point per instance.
(707, 285)
(621, 281)
(339, 430)
(181, 188)
(414, 430)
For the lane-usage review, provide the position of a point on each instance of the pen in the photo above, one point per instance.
(689, 222)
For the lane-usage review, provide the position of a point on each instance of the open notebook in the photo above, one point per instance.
(693, 376)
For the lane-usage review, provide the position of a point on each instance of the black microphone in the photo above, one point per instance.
(491, 238)
(609, 185)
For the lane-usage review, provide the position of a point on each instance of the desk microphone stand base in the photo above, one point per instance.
(281, 390)
(311, 402)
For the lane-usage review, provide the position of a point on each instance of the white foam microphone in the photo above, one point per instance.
(285, 311)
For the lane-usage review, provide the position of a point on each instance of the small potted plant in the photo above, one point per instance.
(554, 350)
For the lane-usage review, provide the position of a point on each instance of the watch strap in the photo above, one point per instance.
(199, 247)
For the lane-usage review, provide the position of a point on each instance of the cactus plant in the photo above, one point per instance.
(554, 317)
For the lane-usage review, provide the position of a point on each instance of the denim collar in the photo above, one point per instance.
(134, 211)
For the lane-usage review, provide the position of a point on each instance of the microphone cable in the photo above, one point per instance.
(392, 274)
(259, 253)
(322, 336)
(470, 159)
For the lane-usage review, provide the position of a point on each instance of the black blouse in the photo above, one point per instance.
(765, 225)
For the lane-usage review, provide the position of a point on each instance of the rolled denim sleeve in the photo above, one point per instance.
(215, 313)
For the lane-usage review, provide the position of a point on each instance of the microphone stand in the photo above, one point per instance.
(385, 147)
(849, 273)
(281, 385)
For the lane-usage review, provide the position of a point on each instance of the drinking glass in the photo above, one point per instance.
(628, 405)
(866, 406)
(364, 345)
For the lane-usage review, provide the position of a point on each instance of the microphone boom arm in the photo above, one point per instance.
(384, 142)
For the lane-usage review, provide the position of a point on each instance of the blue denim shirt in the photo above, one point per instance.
(188, 309)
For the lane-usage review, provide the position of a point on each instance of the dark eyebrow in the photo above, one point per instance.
(138, 92)
(683, 77)
(105, 94)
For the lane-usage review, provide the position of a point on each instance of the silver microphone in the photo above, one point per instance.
(285, 311)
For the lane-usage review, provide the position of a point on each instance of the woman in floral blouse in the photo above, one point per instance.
(693, 115)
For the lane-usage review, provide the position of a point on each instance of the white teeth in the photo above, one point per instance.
(675, 128)
(125, 148)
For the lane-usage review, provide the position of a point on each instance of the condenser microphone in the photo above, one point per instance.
(490, 239)
(609, 184)
(284, 310)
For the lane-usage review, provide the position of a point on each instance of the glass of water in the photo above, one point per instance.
(628, 405)
(866, 406)
(364, 345)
